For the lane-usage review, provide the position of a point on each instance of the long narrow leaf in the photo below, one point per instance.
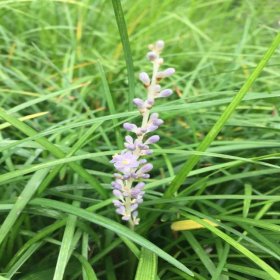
(126, 47)
(111, 225)
(193, 160)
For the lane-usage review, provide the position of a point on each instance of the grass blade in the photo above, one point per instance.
(147, 266)
(126, 48)
(21, 202)
(193, 160)
(54, 150)
(111, 225)
(272, 272)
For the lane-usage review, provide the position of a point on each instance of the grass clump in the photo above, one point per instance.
(67, 81)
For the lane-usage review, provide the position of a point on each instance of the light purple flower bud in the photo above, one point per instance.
(117, 203)
(166, 73)
(150, 101)
(135, 192)
(160, 44)
(158, 122)
(135, 214)
(146, 168)
(143, 146)
(156, 88)
(139, 200)
(129, 126)
(117, 193)
(151, 56)
(154, 116)
(165, 93)
(153, 139)
(133, 207)
(121, 210)
(144, 78)
(146, 152)
(125, 218)
(130, 147)
(152, 127)
(116, 185)
(139, 102)
(142, 161)
(140, 185)
(129, 139)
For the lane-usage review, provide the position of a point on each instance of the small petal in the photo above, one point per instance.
(144, 78)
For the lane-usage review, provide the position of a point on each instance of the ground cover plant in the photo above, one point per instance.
(68, 76)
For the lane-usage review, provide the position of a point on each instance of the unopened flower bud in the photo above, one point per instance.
(129, 126)
(153, 139)
(144, 78)
(165, 93)
(166, 73)
(156, 88)
(151, 56)
(160, 44)
(138, 102)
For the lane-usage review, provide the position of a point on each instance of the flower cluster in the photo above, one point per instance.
(128, 187)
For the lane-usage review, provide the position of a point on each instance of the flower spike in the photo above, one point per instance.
(128, 187)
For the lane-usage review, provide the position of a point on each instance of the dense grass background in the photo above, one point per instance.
(65, 92)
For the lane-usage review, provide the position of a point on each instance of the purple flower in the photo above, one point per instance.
(129, 163)
(125, 162)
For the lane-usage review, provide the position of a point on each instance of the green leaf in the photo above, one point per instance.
(111, 225)
(237, 246)
(126, 48)
(21, 202)
(86, 266)
(147, 266)
(53, 150)
(194, 159)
